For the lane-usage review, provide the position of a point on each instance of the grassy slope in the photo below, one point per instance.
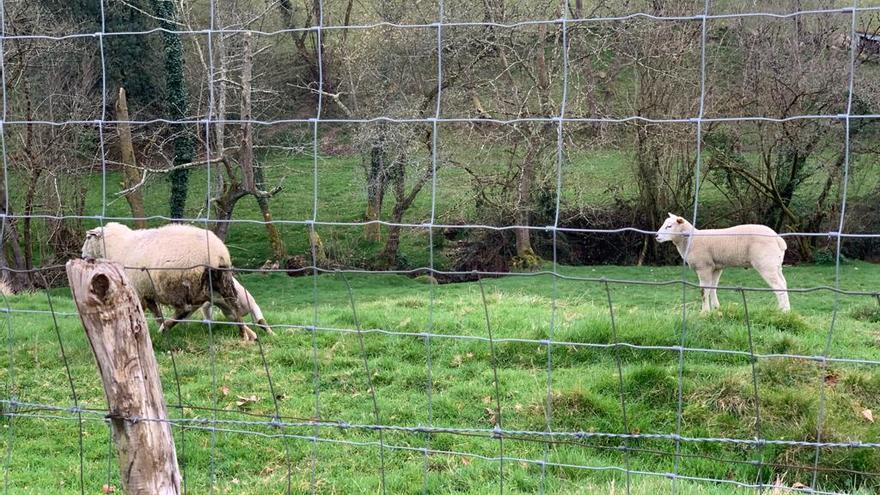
(717, 393)
(718, 398)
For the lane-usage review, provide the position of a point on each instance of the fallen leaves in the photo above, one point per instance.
(831, 379)
(245, 401)
(492, 416)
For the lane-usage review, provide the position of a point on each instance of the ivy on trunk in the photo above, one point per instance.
(178, 103)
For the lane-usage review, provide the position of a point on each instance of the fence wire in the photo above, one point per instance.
(301, 438)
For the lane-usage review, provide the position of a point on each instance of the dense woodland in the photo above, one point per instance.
(257, 70)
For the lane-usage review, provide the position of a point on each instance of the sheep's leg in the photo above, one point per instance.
(773, 276)
(157, 312)
(705, 275)
(716, 277)
(246, 333)
(261, 322)
(782, 296)
(181, 314)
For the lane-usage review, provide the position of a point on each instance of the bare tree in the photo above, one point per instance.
(786, 69)
(135, 195)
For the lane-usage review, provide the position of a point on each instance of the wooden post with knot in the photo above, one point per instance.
(117, 331)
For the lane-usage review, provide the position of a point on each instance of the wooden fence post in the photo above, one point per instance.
(117, 331)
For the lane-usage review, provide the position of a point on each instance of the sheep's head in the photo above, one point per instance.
(674, 226)
(93, 247)
(96, 239)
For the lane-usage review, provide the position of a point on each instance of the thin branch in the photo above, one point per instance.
(169, 169)
(126, 192)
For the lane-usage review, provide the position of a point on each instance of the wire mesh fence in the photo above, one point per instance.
(444, 388)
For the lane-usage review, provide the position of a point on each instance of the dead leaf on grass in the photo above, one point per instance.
(243, 401)
(493, 416)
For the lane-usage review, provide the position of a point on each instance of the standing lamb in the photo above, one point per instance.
(176, 265)
(712, 250)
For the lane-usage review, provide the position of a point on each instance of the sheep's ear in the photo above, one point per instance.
(671, 215)
(679, 220)
(96, 232)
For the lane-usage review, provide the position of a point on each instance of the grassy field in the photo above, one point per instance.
(219, 377)
(215, 370)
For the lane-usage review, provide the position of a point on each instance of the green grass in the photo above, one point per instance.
(717, 393)
(718, 399)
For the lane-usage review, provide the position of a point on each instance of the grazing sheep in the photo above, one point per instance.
(244, 304)
(176, 265)
(712, 250)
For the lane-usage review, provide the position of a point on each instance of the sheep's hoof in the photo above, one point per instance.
(265, 326)
(247, 334)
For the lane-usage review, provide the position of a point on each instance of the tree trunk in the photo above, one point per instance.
(224, 203)
(246, 155)
(375, 188)
(22, 277)
(275, 240)
(523, 204)
(12, 244)
(317, 246)
(178, 106)
(135, 197)
(254, 180)
(33, 179)
(391, 248)
(221, 97)
(117, 331)
(647, 177)
(397, 174)
(29, 197)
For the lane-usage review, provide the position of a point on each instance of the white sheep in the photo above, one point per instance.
(177, 265)
(712, 250)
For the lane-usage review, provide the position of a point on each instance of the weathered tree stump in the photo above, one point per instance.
(117, 331)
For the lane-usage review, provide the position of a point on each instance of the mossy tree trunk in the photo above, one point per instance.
(524, 204)
(275, 240)
(178, 106)
(376, 187)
